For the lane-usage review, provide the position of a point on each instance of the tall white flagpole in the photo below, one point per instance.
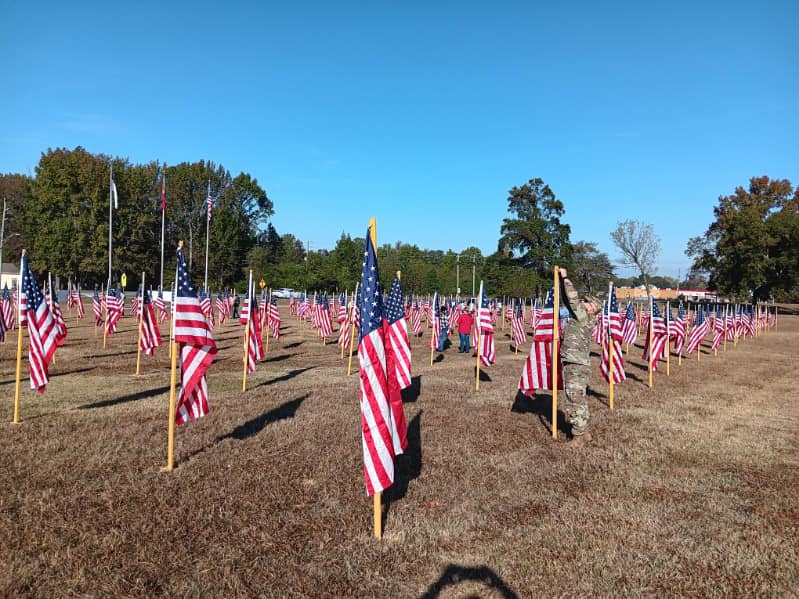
(207, 233)
(163, 221)
(110, 218)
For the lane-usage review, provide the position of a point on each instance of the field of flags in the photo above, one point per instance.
(377, 327)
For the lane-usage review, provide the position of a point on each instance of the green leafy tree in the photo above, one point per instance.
(534, 236)
(750, 248)
(591, 269)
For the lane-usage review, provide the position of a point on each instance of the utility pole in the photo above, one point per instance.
(457, 269)
(474, 265)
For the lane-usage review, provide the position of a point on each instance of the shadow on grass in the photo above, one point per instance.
(104, 355)
(278, 358)
(106, 403)
(484, 375)
(292, 345)
(438, 358)
(411, 393)
(454, 575)
(540, 405)
(259, 423)
(407, 466)
(286, 377)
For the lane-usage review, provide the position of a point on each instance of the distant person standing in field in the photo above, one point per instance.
(576, 357)
(465, 322)
(444, 330)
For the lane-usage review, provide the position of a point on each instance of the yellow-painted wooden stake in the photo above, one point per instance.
(668, 340)
(170, 450)
(352, 330)
(651, 333)
(555, 351)
(141, 325)
(346, 312)
(611, 347)
(247, 335)
(19, 352)
(477, 353)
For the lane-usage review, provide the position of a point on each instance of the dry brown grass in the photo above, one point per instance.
(687, 489)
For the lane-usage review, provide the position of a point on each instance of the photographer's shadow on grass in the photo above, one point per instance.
(484, 577)
(407, 466)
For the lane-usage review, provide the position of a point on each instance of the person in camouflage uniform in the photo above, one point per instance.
(575, 354)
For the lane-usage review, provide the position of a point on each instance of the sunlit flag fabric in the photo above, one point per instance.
(207, 308)
(537, 370)
(416, 318)
(398, 350)
(612, 318)
(43, 330)
(698, 333)
(383, 426)
(343, 324)
(221, 306)
(517, 324)
(77, 300)
(244, 313)
(197, 348)
(150, 335)
(484, 320)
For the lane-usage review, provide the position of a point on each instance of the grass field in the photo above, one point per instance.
(691, 488)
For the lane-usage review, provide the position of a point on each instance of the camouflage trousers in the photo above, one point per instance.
(575, 406)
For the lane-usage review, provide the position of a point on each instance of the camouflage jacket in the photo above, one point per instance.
(576, 342)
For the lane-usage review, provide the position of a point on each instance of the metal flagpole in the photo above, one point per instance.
(163, 221)
(207, 232)
(110, 218)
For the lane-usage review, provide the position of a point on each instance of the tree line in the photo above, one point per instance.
(61, 215)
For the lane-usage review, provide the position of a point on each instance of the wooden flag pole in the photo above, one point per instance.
(352, 329)
(698, 348)
(170, 452)
(668, 341)
(477, 353)
(141, 325)
(651, 332)
(19, 346)
(346, 316)
(52, 301)
(611, 347)
(247, 335)
(268, 317)
(555, 351)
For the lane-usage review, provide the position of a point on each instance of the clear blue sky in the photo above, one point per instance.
(422, 114)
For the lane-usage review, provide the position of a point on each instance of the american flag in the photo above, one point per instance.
(343, 325)
(97, 308)
(398, 349)
(535, 314)
(207, 308)
(699, 332)
(274, 318)
(52, 300)
(613, 320)
(163, 315)
(484, 320)
(221, 306)
(659, 335)
(679, 327)
(416, 318)
(718, 329)
(70, 298)
(292, 307)
(150, 335)
(729, 323)
(43, 330)
(244, 313)
(325, 320)
(629, 329)
(255, 350)
(517, 324)
(209, 202)
(7, 309)
(77, 299)
(197, 347)
(537, 370)
(383, 426)
(114, 309)
(435, 338)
